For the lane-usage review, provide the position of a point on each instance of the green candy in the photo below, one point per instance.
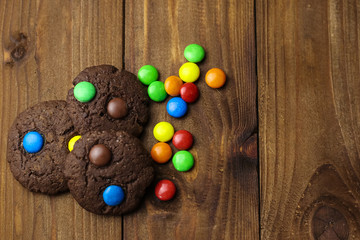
(84, 91)
(194, 53)
(183, 161)
(156, 91)
(148, 74)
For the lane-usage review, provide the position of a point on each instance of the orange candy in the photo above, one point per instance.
(161, 152)
(215, 78)
(173, 85)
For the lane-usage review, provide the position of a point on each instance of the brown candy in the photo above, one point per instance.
(100, 155)
(117, 108)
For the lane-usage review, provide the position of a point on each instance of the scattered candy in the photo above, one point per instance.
(173, 85)
(148, 74)
(72, 142)
(176, 107)
(99, 155)
(117, 108)
(161, 152)
(182, 140)
(189, 72)
(189, 92)
(215, 78)
(194, 53)
(113, 195)
(183, 161)
(163, 131)
(165, 190)
(156, 91)
(33, 142)
(84, 91)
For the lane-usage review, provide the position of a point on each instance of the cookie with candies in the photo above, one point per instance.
(108, 172)
(37, 147)
(105, 98)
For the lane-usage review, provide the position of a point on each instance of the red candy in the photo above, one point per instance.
(182, 140)
(165, 190)
(189, 92)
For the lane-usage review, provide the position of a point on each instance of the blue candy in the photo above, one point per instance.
(176, 107)
(33, 142)
(113, 195)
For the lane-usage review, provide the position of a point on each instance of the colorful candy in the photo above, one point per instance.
(113, 195)
(215, 78)
(163, 131)
(172, 85)
(117, 108)
(165, 190)
(84, 91)
(176, 107)
(100, 155)
(183, 161)
(148, 74)
(72, 142)
(189, 72)
(156, 91)
(33, 142)
(194, 53)
(161, 152)
(182, 140)
(189, 92)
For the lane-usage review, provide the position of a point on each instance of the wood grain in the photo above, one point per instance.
(309, 118)
(218, 199)
(44, 46)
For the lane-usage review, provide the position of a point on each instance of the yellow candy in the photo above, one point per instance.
(163, 131)
(72, 142)
(189, 72)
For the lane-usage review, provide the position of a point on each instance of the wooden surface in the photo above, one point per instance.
(60, 38)
(305, 61)
(45, 44)
(219, 197)
(309, 118)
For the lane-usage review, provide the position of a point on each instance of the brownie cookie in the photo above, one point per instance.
(107, 98)
(37, 147)
(108, 172)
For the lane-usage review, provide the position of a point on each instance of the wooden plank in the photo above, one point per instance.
(44, 45)
(218, 199)
(309, 118)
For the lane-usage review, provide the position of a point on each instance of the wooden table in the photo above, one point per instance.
(292, 67)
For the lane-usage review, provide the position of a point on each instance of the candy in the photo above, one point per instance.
(165, 190)
(72, 142)
(215, 78)
(183, 161)
(182, 140)
(163, 131)
(84, 91)
(189, 92)
(99, 155)
(172, 85)
(176, 107)
(113, 195)
(156, 91)
(161, 152)
(189, 72)
(117, 108)
(33, 142)
(148, 74)
(194, 53)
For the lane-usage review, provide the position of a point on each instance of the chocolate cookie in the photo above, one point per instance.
(107, 98)
(108, 172)
(37, 147)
